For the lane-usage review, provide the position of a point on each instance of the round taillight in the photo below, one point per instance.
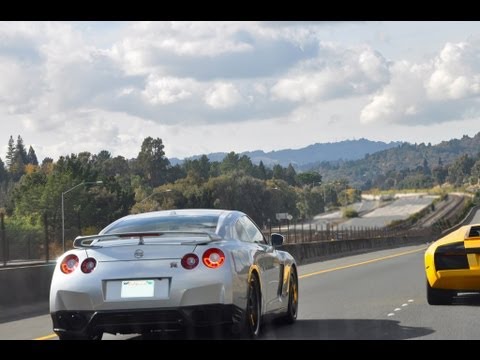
(189, 261)
(88, 265)
(69, 264)
(213, 258)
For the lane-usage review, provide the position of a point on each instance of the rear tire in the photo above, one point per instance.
(292, 310)
(253, 313)
(439, 296)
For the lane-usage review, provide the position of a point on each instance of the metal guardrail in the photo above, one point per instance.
(466, 220)
(297, 233)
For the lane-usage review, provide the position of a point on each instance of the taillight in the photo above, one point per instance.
(451, 257)
(213, 258)
(189, 261)
(88, 265)
(69, 264)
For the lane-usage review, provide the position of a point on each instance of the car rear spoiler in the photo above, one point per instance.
(92, 241)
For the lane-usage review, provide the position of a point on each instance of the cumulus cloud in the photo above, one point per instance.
(456, 73)
(20, 85)
(59, 77)
(212, 50)
(336, 72)
(168, 90)
(443, 89)
(223, 95)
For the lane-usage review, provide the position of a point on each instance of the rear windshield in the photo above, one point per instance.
(206, 223)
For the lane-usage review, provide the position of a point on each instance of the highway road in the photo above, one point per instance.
(379, 295)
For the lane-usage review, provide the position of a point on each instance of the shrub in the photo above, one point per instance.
(350, 213)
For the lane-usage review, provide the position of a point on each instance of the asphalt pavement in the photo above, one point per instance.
(379, 295)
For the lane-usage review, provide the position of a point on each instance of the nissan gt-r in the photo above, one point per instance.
(168, 270)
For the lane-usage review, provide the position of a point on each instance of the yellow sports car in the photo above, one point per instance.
(452, 265)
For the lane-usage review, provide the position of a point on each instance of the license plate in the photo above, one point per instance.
(137, 288)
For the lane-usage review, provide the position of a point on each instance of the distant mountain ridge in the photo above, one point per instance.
(392, 162)
(311, 154)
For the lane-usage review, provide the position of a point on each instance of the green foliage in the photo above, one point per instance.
(150, 183)
(152, 163)
(3, 172)
(409, 165)
(349, 213)
(312, 178)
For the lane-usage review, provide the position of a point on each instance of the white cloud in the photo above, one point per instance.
(336, 72)
(222, 96)
(20, 84)
(456, 73)
(75, 87)
(168, 90)
(442, 89)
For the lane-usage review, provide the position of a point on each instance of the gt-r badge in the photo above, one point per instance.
(138, 253)
(173, 265)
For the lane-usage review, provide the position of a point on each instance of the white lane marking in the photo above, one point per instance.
(403, 305)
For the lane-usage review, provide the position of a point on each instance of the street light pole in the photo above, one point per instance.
(63, 207)
(154, 193)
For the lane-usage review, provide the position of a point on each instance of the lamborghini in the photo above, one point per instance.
(452, 265)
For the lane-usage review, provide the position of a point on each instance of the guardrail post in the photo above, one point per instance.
(2, 237)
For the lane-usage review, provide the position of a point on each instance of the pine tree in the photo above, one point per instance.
(20, 149)
(17, 166)
(3, 172)
(31, 156)
(262, 173)
(10, 153)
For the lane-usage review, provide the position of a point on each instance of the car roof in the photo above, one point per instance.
(225, 217)
(186, 212)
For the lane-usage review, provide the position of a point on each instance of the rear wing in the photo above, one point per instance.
(92, 241)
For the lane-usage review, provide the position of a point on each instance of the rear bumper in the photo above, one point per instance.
(459, 280)
(140, 321)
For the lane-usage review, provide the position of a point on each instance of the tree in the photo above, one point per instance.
(460, 170)
(3, 172)
(20, 150)
(17, 165)
(439, 174)
(278, 172)
(31, 156)
(200, 168)
(290, 175)
(476, 170)
(309, 178)
(10, 152)
(151, 162)
(229, 163)
(239, 192)
(261, 172)
(425, 168)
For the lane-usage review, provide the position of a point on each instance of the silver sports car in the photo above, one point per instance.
(173, 269)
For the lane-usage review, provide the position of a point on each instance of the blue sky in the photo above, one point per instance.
(235, 86)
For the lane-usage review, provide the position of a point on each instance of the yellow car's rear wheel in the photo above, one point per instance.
(439, 296)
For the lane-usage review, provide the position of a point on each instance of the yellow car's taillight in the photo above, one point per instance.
(451, 257)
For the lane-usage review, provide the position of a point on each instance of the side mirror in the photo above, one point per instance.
(276, 240)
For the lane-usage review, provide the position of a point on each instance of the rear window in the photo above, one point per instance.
(206, 223)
